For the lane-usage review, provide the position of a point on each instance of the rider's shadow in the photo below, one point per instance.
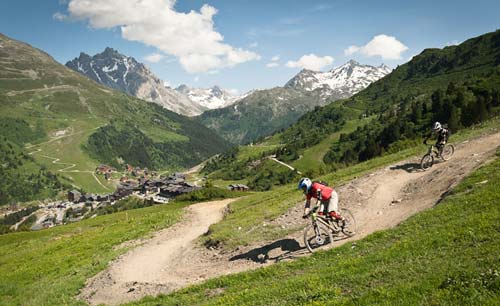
(408, 167)
(261, 255)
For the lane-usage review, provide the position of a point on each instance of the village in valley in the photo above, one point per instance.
(133, 181)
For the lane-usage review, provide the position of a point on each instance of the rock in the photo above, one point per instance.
(130, 289)
(482, 182)
(396, 201)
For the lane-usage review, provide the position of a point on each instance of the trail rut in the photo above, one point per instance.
(380, 200)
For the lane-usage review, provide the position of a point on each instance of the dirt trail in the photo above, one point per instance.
(379, 201)
(157, 265)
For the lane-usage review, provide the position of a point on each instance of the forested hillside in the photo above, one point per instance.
(457, 85)
(23, 179)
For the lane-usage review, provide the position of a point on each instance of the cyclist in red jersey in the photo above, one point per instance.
(328, 198)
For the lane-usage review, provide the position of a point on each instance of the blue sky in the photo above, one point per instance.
(245, 44)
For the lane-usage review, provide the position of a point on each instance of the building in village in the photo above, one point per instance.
(238, 187)
(74, 196)
(103, 169)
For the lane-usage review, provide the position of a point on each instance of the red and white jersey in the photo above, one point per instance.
(326, 192)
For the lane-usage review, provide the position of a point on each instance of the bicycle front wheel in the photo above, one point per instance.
(447, 152)
(316, 236)
(349, 227)
(426, 161)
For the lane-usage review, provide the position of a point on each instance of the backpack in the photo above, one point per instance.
(321, 182)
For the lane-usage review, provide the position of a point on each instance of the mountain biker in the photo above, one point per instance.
(442, 136)
(325, 195)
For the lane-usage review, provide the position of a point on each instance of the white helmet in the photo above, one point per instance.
(437, 126)
(305, 182)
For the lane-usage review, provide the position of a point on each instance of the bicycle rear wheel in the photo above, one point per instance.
(349, 227)
(317, 235)
(447, 152)
(426, 161)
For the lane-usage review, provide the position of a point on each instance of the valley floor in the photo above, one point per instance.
(380, 200)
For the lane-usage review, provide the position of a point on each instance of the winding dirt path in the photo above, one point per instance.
(380, 200)
(159, 264)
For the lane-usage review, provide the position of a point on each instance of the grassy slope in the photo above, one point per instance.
(312, 157)
(48, 267)
(250, 213)
(448, 255)
(37, 89)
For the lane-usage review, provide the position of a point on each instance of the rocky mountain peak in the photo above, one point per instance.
(124, 73)
(340, 82)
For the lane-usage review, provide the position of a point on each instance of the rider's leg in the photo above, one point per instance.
(333, 206)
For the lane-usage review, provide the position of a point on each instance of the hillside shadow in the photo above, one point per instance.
(289, 247)
(408, 167)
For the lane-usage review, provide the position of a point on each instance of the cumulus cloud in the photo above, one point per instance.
(311, 62)
(275, 58)
(272, 65)
(191, 37)
(387, 47)
(153, 58)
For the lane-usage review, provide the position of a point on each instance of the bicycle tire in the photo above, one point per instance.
(349, 228)
(311, 240)
(447, 152)
(426, 162)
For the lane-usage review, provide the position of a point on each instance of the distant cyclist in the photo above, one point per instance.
(442, 136)
(326, 196)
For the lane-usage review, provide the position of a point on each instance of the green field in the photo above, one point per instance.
(67, 149)
(448, 255)
(48, 267)
(312, 157)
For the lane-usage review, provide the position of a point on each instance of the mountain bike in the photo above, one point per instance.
(434, 153)
(323, 228)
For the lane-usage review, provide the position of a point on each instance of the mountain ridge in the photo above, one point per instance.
(264, 112)
(125, 73)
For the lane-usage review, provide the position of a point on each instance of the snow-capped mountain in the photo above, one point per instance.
(340, 82)
(124, 73)
(210, 98)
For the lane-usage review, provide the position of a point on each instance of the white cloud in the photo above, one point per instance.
(254, 44)
(191, 37)
(59, 16)
(275, 58)
(272, 65)
(387, 47)
(351, 50)
(153, 58)
(311, 61)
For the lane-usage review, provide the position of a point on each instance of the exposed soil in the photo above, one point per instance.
(380, 200)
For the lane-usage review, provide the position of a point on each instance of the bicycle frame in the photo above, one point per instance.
(318, 218)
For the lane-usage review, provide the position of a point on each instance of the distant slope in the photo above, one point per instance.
(124, 73)
(259, 114)
(23, 179)
(35, 88)
(458, 85)
(264, 112)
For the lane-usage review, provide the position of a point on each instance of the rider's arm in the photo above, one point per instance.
(307, 207)
(426, 137)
